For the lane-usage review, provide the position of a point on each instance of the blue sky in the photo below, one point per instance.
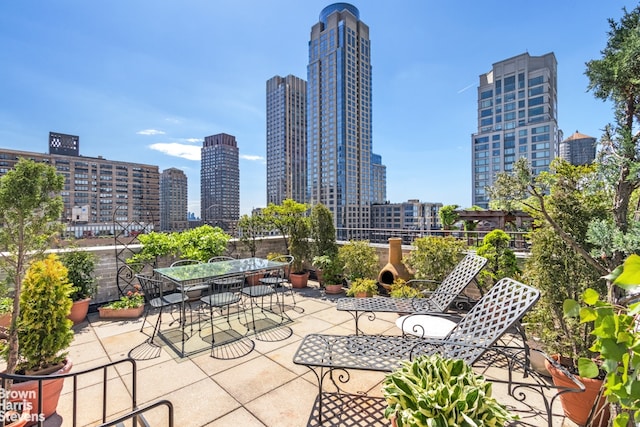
(147, 80)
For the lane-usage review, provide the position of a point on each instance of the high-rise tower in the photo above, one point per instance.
(339, 138)
(173, 200)
(578, 149)
(517, 117)
(220, 181)
(286, 139)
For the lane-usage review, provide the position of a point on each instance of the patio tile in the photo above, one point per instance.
(239, 417)
(253, 379)
(286, 406)
(158, 380)
(196, 404)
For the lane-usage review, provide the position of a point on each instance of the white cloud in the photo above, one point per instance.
(251, 157)
(193, 140)
(189, 152)
(150, 132)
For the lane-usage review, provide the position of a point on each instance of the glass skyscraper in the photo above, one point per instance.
(286, 139)
(517, 117)
(339, 139)
(220, 181)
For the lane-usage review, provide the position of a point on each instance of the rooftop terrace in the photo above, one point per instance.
(263, 388)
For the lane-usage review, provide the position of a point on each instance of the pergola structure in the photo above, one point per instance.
(497, 219)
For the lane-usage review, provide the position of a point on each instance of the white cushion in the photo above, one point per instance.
(423, 325)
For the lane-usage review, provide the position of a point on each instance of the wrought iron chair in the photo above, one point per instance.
(267, 288)
(158, 299)
(478, 331)
(438, 301)
(280, 278)
(224, 293)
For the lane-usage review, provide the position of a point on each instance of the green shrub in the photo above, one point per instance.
(80, 265)
(360, 260)
(43, 328)
(363, 286)
(434, 257)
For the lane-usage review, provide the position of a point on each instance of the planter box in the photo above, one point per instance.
(120, 313)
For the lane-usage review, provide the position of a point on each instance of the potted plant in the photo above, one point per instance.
(401, 289)
(616, 337)
(6, 311)
(44, 331)
(361, 288)
(323, 236)
(299, 250)
(360, 260)
(80, 266)
(290, 220)
(130, 305)
(331, 273)
(434, 390)
(30, 210)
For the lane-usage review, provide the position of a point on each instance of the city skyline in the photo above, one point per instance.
(149, 81)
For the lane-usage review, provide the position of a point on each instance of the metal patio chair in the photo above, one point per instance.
(159, 299)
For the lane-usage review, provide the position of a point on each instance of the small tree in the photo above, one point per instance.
(448, 216)
(30, 207)
(323, 232)
(501, 260)
(250, 227)
(43, 328)
(285, 217)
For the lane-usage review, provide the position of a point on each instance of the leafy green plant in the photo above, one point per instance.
(434, 257)
(80, 266)
(401, 289)
(331, 269)
(200, 243)
(133, 299)
(44, 331)
(448, 216)
(6, 305)
(437, 391)
(363, 286)
(360, 260)
(501, 260)
(617, 341)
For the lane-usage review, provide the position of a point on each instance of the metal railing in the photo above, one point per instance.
(519, 239)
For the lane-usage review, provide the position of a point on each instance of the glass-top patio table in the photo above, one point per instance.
(197, 276)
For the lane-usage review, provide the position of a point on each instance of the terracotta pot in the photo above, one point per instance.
(333, 289)
(79, 311)
(50, 393)
(5, 320)
(15, 419)
(577, 406)
(299, 280)
(119, 313)
(362, 295)
(254, 279)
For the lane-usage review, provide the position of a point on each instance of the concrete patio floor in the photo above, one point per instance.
(263, 388)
